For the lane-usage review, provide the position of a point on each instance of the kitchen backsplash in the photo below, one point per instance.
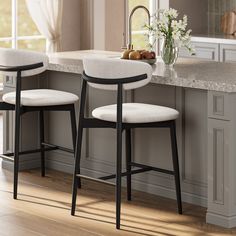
(216, 9)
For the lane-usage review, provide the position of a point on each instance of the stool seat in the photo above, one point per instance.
(41, 97)
(136, 113)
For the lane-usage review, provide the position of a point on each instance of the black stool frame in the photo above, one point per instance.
(120, 127)
(20, 110)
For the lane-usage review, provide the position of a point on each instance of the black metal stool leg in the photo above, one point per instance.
(118, 176)
(41, 114)
(128, 161)
(77, 168)
(16, 153)
(17, 134)
(78, 148)
(119, 156)
(176, 166)
(74, 134)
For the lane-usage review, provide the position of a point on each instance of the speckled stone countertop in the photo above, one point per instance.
(189, 73)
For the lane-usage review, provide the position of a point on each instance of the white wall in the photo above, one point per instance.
(115, 24)
(102, 24)
(99, 24)
(71, 25)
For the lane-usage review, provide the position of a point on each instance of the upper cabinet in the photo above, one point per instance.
(227, 53)
(207, 51)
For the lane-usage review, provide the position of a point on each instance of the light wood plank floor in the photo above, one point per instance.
(1, 133)
(43, 208)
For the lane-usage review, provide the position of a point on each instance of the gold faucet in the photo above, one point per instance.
(129, 44)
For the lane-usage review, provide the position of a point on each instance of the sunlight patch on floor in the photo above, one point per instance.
(1, 133)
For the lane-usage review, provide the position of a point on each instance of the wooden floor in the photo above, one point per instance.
(1, 133)
(43, 208)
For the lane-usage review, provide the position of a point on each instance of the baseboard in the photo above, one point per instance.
(140, 185)
(158, 184)
(24, 165)
(216, 219)
(56, 165)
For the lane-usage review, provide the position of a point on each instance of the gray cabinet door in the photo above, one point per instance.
(208, 51)
(227, 53)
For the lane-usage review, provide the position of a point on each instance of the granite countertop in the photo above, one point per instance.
(71, 62)
(189, 73)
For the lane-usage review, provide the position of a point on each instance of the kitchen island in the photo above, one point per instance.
(204, 92)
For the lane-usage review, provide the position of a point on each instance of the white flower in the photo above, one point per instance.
(165, 25)
(174, 24)
(185, 21)
(159, 34)
(170, 13)
(176, 35)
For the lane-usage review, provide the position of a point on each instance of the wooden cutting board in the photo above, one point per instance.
(228, 23)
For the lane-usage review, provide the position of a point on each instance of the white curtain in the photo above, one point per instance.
(47, 15)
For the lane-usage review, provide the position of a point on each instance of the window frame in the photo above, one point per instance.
(14, 29)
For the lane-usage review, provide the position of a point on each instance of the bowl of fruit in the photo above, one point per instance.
(140, 55)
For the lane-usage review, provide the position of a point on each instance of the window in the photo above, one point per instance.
(17, 29)
(139, 39)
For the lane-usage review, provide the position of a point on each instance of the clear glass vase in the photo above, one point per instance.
(169, 52)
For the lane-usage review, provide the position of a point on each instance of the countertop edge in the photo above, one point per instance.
(178, 82)
(194, 84)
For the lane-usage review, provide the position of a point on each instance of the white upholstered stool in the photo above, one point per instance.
(20, 64)
(119, 75)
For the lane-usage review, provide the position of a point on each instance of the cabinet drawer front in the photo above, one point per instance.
(218, 105)
(227, 53)
(207, 51)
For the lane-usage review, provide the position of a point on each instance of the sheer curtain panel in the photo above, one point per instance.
(47, 15)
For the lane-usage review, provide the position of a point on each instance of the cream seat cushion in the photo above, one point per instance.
(41, 97)
(136, 113)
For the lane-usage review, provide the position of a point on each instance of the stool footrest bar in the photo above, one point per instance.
(169, 172)
(9, 158)
(132, 172)
(58, 147)
(95, 180)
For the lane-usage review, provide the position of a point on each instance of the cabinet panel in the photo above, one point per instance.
(218, 151)
(101, 142)
(218, 105)
(152, 146)
(208, 51)
(194, 135)
(227, 53)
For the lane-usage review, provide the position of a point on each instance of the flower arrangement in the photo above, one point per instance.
(174, 33)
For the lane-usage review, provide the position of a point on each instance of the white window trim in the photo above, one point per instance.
(14, 29)
(14, 33)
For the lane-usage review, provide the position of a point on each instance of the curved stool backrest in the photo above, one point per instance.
(28, 62)
(107, 73)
